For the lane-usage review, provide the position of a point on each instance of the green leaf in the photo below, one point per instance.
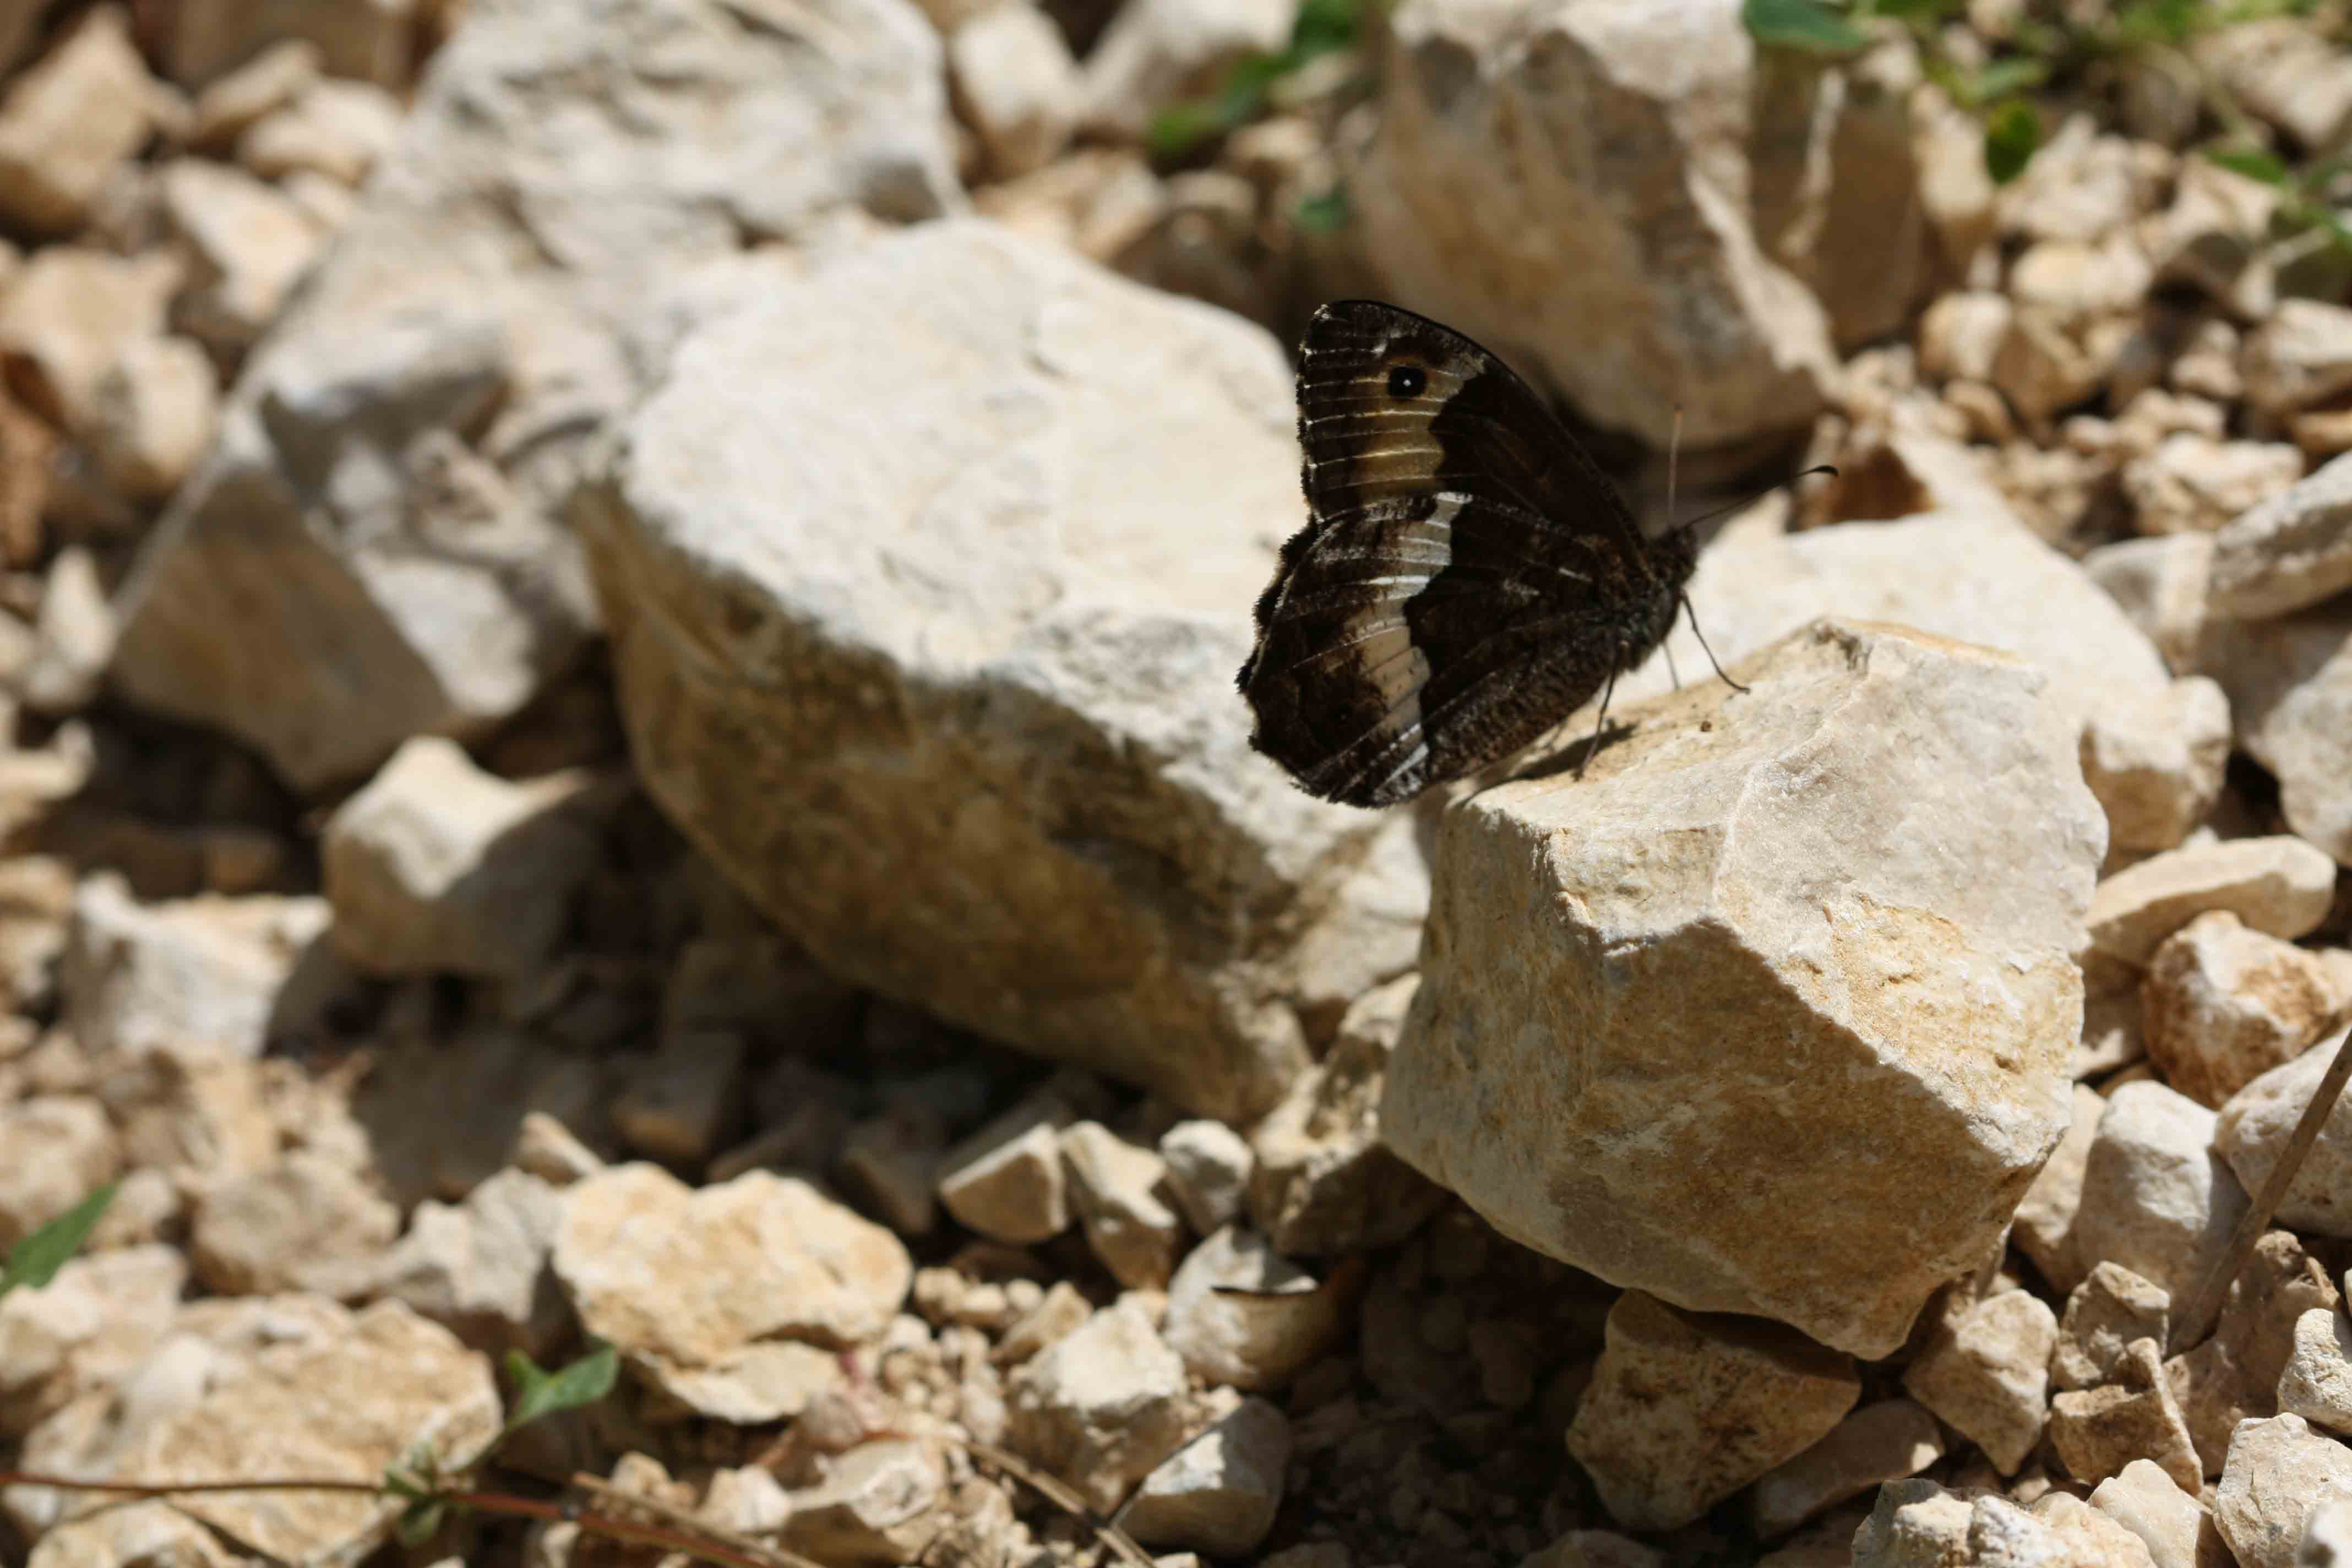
(2253, 163)
(539, 1393)
(2012, 135)
(1805, 25)
(1325, 212)
(1324, 25)
(2003, 79)
(419, 1521)
(35, 1261)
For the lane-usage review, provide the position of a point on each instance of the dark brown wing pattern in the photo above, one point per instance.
(1467, 576)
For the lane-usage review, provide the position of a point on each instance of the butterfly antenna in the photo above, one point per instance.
(1735, 505)
(1689, 611)
(1600, 724)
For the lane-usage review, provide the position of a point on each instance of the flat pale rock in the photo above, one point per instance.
(1980, 578)
(1684, 1409)
(903, 594)
(2290, 687)
(386, 1389)
(1264, 1335)
(2280, 886)
(2316, 1383)
(1219, 1492)
(98, 1319)
(374, 549)
(2253, 1130)
(1904, 1012)
(732, 1298)
(1557, 182)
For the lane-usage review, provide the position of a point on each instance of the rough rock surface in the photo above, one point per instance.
(2279, 1473)
(371, 553)
(1985, 1371)
(2278, 885)
(1685, 1409)
(1037, 748)
(732, 1298)
(1101, 1407)
(1888, 1441)
(1861, 989)
(205, 971)
(2156, 1197)
(2253, 1130)
(1570, 186)
(2222, 1005)
(1980, 578)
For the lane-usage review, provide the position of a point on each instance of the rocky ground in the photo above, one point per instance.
(617, 623)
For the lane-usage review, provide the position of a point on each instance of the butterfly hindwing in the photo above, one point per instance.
(1466, 578)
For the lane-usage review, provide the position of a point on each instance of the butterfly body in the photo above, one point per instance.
(1467, 576)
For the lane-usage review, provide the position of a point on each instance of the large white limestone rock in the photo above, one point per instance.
(928, 637)
(2153, 748)
(1613, 195)
(372, 550)
(1833, 915)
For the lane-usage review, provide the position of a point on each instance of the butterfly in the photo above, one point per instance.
(1468, 577)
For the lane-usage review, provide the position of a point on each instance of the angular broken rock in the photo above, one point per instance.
(94, 1321)
(2279, 1473)
(207, 973)
(1209, 1167)
(2095, 1432)
(304, 1224)
(1007, 1180)
(1115, 1187)
(2316, 1383)
(1985, 1371)
(2258, 1121)
(1535, 168)
(1708, 859)
(372, 552)
(732, 1298)
(2109, 1310)
(1685, 1409)
(1053, 720)
(1218, 1493)
(2286, 552)
(2290, 685)
(1101, 1406)
(438, 867)
(2224, 1005)
(1979, 578)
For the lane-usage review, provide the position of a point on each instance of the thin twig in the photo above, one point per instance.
(1059, 1495)
(697, 1545)
(2197, 1318)
(759, 1551)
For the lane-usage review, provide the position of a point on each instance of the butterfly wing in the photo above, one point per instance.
(1467, 576)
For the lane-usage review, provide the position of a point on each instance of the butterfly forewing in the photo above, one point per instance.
(1467, 576)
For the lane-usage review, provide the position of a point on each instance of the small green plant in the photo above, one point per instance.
(34, 1260)
(2303, 205)
(2039, 53)
(1322, 27)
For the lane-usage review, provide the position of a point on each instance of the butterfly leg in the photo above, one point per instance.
(1672, 673)
(1598, 724)
(1692, 611)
